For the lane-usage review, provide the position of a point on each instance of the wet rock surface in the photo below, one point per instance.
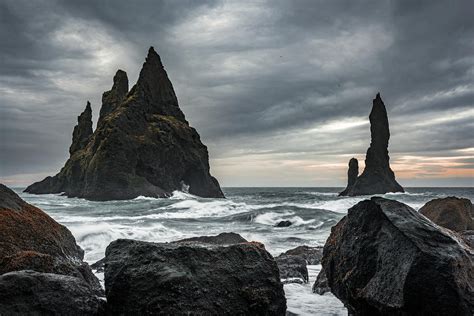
(384, 258)
(35, 293)
(312, 255)
(240, 279)
(32, 240)
(143, 145)
(284, 224)
(377, 177)
(451, 212)
(292, 269)
(221, 239)
(321, 285)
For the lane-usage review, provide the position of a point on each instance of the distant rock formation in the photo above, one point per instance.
(143, 145)
(352, 174)
(385, 258)
(377, 177)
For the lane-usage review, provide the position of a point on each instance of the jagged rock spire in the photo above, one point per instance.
(352, 174)
(82, 131)
(142, 145)
(378, 177)
(154, 86)
(111, 99)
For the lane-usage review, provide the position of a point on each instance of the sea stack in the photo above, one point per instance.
(142, 145)
(377, 177)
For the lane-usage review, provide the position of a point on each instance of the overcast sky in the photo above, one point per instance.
(280, 91)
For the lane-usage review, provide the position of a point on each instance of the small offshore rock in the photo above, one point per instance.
(284, 224)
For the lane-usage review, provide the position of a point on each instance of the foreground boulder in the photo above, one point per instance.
(197, 278)
(377, 177)
(384, 258)
(143, 145)
(35, 293)
(32, 240)
(221, 239)
(451, 212)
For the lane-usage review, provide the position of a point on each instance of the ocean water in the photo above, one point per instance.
(251, 212)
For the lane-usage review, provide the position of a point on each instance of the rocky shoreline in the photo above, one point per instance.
(383, 258)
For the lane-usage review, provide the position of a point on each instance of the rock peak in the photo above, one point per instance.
(113, 98)
(377, 177)
(82, 131)
(155, 89)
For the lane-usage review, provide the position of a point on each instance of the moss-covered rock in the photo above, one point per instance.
(143, 145)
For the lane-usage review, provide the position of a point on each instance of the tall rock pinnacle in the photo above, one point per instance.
(82, 131)
(143, 145)
(378, 177)
(111, 99)
(155, 88)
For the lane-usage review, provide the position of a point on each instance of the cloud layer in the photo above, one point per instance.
(280, 91)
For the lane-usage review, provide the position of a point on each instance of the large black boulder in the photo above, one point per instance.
(146, 278)
(34, 293)
(384, 258)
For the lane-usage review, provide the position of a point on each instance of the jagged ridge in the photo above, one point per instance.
(143, 145)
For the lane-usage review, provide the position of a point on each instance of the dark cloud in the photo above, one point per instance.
(268, 82)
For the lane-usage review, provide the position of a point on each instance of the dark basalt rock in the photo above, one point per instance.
(31, 240)
(451, 212)
(143, 145)
(112, 99)
(384, 258)
(221, 239)
(82, 131)
(35, 293)
(292, 269)
(284, 224)
(312, 255)
(197, 279)
(352, 174)
(321, 285)
(377, 177)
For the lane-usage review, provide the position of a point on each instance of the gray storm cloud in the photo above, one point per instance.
(280, 91)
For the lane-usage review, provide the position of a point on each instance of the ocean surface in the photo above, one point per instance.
(251, 212)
